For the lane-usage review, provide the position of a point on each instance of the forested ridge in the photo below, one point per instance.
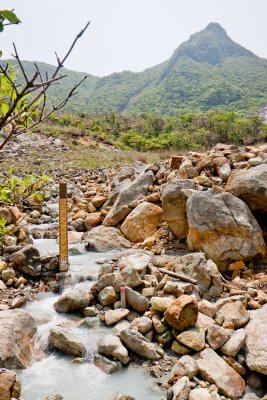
(209, 71)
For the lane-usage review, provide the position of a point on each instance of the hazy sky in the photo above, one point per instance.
(126, 34)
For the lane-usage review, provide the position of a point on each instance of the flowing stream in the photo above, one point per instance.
(53, 373)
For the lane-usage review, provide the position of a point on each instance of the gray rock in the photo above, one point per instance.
(124, 397)
(90, 311)
(235, 343)
(65, 341)
(110, 345)
(161, 303)
(137, 343)
(233, 312)
(135, 190)
(116, 191)
(226, 300)
(73, 300)
(123, 324)
(200, 394)
(27, 260)
(207, 308)
(158, 325)
(179, 391)
(103, 281)
(194, 338)
(217, 336)
(17, 329)
(204, 271)
(103, 238)
(256, 341)
(186, 366)
(54, 397)
(251, 186)
(139, 261)
(114, 316)
(250, 396)
(224, 172)
(106, 365)
(174, 205)
(136, 300)
(107, 296)
(223, 227)
(127, 277)
(215, 370)
(143, 324)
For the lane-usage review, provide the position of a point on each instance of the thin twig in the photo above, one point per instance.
(32, 86)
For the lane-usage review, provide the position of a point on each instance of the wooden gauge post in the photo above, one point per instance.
(63, 229)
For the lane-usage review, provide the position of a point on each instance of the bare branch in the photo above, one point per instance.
(31, 86)
(16, 56)
(61, 63)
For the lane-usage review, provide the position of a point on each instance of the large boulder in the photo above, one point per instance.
(103, 238)
(215, 370)
(222, 226)
(133, 191)
(66, 341)
(16, 332)
(142, 222)
(251, 186)
(182, 313)
(140, 345)
(73, 300)
(27, 260)
(10, 386)
(204, 271)
(174, 205)
(256, 341)
(110, 345)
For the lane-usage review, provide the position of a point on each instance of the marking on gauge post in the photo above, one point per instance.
(63, 229)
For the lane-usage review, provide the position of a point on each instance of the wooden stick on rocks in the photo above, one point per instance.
(178, 276)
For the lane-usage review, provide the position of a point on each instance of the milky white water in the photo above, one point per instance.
(52, 373)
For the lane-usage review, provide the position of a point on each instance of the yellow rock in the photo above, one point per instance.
(236, 265)
(148, 242)
(142, 222)
(179, 348)
(3, 265)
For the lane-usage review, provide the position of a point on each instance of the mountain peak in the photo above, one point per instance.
(215, 28)
(212, 45)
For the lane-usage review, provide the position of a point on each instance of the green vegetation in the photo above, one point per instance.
(8, 17)
(151, 132)
(18, 191)
(207, 72)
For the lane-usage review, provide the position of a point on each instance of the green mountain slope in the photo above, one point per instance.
(207, 71)
(59, 91)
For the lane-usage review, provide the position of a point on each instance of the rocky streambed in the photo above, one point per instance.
(173, 305)
(56, 373)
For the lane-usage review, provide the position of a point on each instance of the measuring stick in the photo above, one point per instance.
(63, 229)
